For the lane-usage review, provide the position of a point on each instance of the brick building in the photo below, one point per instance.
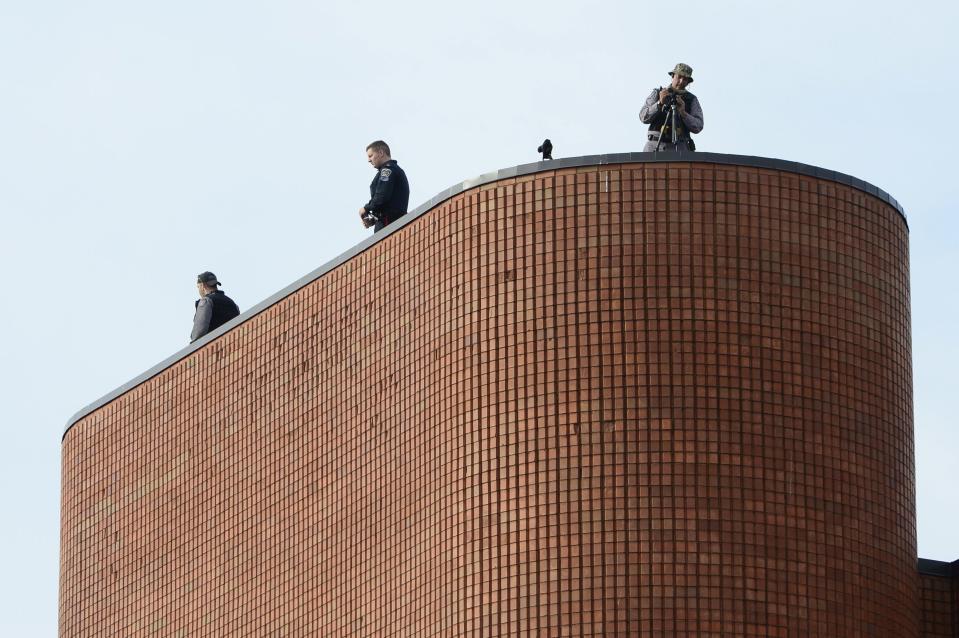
(601, 396)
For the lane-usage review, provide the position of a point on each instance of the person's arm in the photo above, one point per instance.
(693, 116)
(384, 188)
(650, 108)
(201, 320)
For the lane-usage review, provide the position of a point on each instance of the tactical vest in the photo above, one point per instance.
(681, 131)
(224, 309)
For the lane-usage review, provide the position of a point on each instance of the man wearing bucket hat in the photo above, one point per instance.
(656, 111)
(213, 308)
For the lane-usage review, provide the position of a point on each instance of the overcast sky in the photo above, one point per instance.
(141, 143)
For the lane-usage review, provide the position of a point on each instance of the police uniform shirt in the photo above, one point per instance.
(389, 193)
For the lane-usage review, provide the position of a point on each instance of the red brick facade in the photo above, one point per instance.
(939, 599)
(620, 400)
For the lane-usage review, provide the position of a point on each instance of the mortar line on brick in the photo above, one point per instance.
(668, 439)
(624, 546)
(647, 175)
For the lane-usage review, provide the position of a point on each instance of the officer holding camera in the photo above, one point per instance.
(673, 113)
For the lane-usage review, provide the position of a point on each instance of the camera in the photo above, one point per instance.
(546, 148)
(670, 100)
(369, 219)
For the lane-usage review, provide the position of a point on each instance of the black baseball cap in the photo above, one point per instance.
(207, 278)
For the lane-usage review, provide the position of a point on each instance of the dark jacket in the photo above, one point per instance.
(653, 114)
(212, 311)
(389, 194)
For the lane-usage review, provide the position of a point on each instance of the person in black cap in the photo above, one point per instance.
(213, 308)
(389, 191)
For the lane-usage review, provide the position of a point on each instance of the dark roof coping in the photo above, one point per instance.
(929, 567)
(486, 178)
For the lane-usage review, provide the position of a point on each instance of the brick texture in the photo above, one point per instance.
(629, 400)
(939, 598)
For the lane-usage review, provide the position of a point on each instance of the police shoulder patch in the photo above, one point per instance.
(385, 175)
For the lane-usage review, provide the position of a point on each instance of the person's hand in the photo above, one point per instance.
(681, 104)
(367, 222)
(662, 94)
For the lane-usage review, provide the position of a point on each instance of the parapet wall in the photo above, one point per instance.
(629, 398)
(939, 598)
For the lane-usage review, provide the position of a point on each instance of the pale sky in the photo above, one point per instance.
(142, 143)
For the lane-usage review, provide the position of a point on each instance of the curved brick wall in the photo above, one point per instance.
(641, 399)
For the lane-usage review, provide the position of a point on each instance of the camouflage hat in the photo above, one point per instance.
(684, 70)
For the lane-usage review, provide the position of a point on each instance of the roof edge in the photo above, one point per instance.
(929, 567)
(481, 180)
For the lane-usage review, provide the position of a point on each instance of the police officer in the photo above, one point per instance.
(213, 308)
(689, 114)
(389, 191)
